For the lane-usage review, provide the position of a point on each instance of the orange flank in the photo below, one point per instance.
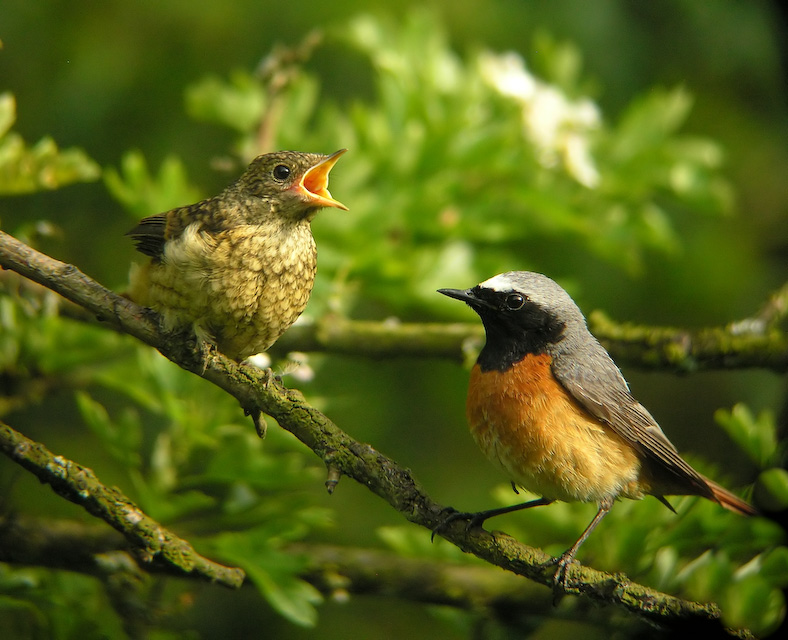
(527, 423)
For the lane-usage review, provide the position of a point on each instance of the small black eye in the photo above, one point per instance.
(514, 301)
(281, 172)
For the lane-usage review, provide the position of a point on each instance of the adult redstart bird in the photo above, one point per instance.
(547, 404)
(239, 267)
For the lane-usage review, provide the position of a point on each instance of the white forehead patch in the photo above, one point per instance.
(501, 282)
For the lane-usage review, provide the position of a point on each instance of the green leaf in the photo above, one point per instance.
(237, 103)
(707, 573)
(756, 436)
(121, 440)
(273, 571)
(560, 62)
(752, 603)
(39, 604)
(410, 541)
(650, 119)
(143, 193)
(774, 482)
(42, 167)
(774, 567)
(7, 113)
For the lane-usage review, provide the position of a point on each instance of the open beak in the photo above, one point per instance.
(315, 183)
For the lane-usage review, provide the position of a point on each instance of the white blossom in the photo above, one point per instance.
(559, 128)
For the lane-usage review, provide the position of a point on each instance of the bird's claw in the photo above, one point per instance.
(474, 521)
(560, 575)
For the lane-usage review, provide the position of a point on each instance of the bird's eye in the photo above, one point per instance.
(514, 301)
(281, 172)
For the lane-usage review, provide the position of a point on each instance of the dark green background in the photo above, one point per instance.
(110, 76)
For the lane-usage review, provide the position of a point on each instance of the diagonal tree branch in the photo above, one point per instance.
(258, 391)
(151, 543)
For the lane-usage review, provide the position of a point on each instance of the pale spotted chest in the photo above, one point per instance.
(256, 302)
(240, 289)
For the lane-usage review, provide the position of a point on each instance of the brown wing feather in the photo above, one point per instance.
(151, 234)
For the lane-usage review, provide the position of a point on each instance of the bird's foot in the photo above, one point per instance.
(150, 314)
(475, 520)
(271, 376)
(562, 566)
(207, 351)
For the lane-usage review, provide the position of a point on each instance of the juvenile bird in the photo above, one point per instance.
(239, 267)
(547, 404)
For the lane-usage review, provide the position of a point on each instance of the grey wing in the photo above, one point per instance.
(597, 384)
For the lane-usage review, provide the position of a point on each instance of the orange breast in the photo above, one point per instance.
(526, 423)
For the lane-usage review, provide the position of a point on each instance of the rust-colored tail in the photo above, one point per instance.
(730, 501)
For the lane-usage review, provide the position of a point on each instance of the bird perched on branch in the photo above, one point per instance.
(239, 267)
(547, 404)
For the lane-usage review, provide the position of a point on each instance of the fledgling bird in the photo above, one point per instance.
(547, 404)
(239, 267)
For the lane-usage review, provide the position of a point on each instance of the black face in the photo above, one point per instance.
(515, 325)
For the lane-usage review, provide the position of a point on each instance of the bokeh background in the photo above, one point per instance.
(111, 76)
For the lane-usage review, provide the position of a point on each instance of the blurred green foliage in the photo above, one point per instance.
(25, 169)
(142, 193)
(463, 163)
(496, 160)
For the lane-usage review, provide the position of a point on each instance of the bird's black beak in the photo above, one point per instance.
(468, 296)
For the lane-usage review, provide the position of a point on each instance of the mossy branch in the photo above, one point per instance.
(57, 544)
(750, 343)
(257, 391)
(338, 572)
(151, 543)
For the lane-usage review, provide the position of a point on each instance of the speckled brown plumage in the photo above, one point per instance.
(238, 267)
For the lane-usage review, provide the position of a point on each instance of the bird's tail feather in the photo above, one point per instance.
(730, 501)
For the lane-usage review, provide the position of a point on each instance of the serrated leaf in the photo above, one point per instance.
(237, 103)
(775, 482)
(274, 573)
(144, 193)
(121, 440)
(756, 436)
(42, 167)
